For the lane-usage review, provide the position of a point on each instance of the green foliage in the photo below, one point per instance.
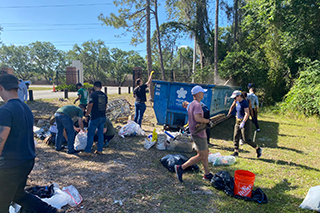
(70, 87)
(19, 59)
(304, 96)
(95, 57)
(87, 86)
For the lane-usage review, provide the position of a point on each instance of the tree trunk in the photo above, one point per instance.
(216, 32)
(149, 63)
(158, 38)
(235, 21)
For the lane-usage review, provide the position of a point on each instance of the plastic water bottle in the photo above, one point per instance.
(225, 160)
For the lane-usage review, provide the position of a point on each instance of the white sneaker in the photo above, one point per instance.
(241, 142)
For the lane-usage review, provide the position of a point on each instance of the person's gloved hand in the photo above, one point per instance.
(151, 72)
(211, 123)
(242, 124)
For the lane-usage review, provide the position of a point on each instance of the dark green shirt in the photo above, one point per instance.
(84, 95)
(110, 129)
(71, 111)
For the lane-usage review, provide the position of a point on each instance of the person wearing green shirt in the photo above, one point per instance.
(82, 95)
(63, 118)
(108, 132)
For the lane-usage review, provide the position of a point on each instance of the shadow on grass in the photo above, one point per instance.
(282, 162)
(267, 137)
(41, 109)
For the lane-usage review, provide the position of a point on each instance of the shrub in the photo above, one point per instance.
(304, 96)
(70, 87)
(87, 86)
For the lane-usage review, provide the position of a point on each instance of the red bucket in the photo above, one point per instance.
(243, 183)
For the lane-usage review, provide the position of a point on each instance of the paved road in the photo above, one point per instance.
(48, 94)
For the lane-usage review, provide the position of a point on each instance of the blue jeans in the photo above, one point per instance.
(93, 125)
(12, 183)
(64, 122)
(140, 109)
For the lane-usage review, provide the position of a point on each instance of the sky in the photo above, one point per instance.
(67, 22)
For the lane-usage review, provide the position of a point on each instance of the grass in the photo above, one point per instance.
(287, 169)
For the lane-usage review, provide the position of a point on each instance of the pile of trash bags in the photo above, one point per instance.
(53, 196)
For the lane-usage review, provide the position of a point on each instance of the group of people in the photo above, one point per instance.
(17, 148)
(100, 128)
(196, 115)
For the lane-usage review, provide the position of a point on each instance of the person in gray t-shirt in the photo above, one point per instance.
(255, 106)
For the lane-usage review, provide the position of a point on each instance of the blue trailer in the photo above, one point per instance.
(169, 96)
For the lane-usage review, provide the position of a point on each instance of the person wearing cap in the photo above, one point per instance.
(206, 114)
(17, 150)
(195, 116)
(23, 91)
(139, 93)
(242, 127)
(82, 95)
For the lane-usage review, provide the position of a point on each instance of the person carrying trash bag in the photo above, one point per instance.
(242, 127)
(17, 150)
(195, 116)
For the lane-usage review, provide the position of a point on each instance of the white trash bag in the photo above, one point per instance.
(312, 200)
(76, 198)
(131, 129)
(80, 141)
(58, 199)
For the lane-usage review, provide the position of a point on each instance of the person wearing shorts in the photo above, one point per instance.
(195, 116)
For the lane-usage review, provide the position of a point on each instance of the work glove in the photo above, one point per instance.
(242, 124)
(211, 123)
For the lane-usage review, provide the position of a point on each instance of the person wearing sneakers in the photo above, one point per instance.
(195, 116)
(255, 107)
(242, 127)
(97, 107)
(17, 150)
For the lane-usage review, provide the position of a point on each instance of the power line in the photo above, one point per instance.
(37, 24)
(57, 29)
(56, 5)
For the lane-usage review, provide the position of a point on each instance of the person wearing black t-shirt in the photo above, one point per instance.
(17, 150)
(97, 107)
(140, 95)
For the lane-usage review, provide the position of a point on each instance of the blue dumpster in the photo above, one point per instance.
(169, 96)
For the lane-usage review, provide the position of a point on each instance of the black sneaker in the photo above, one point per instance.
(73, 152)
(235, 154)
(259, 152)
(179, 172)
(208, 177)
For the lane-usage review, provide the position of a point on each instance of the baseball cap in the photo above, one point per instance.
(197, 89)
(235, 94)
(9, 81)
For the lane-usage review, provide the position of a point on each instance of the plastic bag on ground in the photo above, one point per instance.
(80, 141)
(59, 198)
(148, 144)
(224, 160)
(312, 200)
(76, 198)
(212, 157)
(169, 161)
(131, 129)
